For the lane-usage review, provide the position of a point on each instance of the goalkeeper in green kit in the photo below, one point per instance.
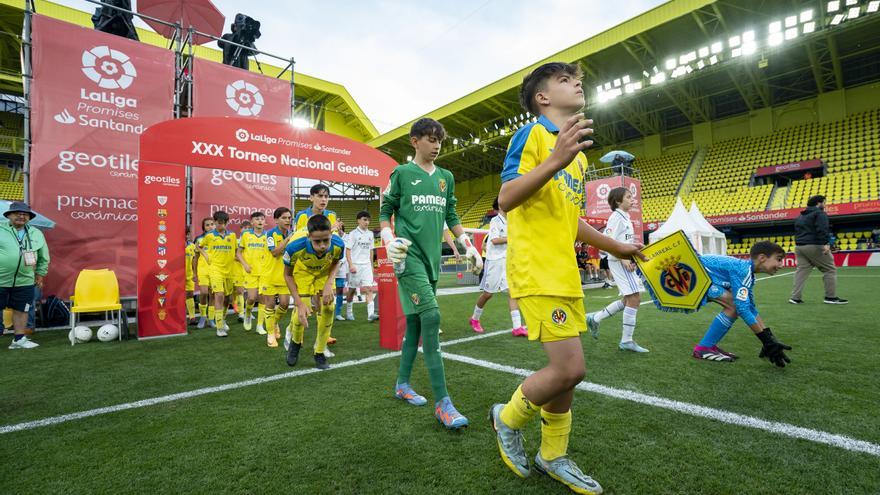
(421, 198)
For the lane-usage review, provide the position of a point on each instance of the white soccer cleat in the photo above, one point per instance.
(23, 343)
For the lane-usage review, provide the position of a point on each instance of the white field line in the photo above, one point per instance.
(721, 415)
(54, 420)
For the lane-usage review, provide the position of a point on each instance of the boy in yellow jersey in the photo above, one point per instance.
(202, 278)
(190, 252)
(218, 247)
(254, 256)
(319, 195)
(238, 276)
(310, 262)
(542, 192)
(272, 282)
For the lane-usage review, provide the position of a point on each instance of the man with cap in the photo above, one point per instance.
(24, 262)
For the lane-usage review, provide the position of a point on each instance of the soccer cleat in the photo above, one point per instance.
(293, 354)
(331, 340)
(448, 416)
(225, 326)
(475, 324)
(349, 317)
(565, 471)
(722, 351)
(271, 341)
(510, 443)
(240, 318)
(328, 353)
(261, 330)
(23, 343)
(711, 354)
(795, 301)
(212, 324)
(835, 300)
(373, 317)
(593, 325)
(202, 322)
(248, 322)
(520, 332)
(340, 318)
(631, 346)
(221, 332)
(321, 362)
(404, 391)
(287, 337)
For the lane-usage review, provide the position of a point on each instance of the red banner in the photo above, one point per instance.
(223, 91)
(841, 258)
(597, 200)
(93, 95)
(788, 167)
(161, 242)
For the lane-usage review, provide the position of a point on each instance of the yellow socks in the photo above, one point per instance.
(239, 303)
(270, 319)
(219, 317)
(203, 310)
(280, 311)
(297, 330)
(190, 308)
(555, 430)
(261, 314)
(210, 311)
(519, 410)
(325, 324)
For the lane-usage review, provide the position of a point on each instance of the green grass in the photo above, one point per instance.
(341, 431)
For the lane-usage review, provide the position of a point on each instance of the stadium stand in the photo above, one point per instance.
(712, 203)
(841, 187)
(662, 175)
(472, 217)
(11, 190)
(846, 241)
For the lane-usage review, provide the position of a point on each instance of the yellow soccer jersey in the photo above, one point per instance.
(543, 229)
(302, 218)
(190, 251)
(254, 250)
(302, 257)
(221, 252)
(275, 270)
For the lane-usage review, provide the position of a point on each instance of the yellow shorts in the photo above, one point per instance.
(251, 281)
(553, 318)
(309, 283)
(267, 288)
(190, 285)
(221, 283)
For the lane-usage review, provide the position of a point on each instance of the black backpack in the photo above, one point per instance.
(55, 312)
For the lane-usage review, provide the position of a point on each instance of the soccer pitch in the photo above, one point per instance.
(228, 415)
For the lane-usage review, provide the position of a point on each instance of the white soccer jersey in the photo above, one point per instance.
(497, 228)
(360, 243)
(620, 228)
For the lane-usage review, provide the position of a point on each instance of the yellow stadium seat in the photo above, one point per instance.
(96, 291)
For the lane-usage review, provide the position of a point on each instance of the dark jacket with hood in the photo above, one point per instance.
(812, 227)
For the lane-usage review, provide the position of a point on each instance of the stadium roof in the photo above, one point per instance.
(312, 95)
(717, 58)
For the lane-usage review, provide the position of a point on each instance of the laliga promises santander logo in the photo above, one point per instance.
(111, 69)
(244, 98)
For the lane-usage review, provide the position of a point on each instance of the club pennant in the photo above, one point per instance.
(673, 274)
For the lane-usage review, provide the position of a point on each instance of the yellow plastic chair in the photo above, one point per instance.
(96, 291)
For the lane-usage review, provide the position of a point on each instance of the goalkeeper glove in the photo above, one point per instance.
(396, 247)
(471, 253)
(773, 349)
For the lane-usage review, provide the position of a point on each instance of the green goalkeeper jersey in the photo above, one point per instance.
(421, 204)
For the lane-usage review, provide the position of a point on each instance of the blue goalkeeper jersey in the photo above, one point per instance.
(736, 275)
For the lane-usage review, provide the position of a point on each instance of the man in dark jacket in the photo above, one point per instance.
(812, 238)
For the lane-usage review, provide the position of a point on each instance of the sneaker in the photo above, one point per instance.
(475, 324)
(349, 317)
(321, 362)
(261, 330)
(221, 332)
(373, 317)
(593, 325)
(631, 346)
(328, 353)
(248, 322)
(340, 318)
(23, 343)
(606, 285)
(448, 416)
(722, 351)
(835, 300)
(565, 471)
(240, 318)
(287, 338)
(192, 322)
(520, 332)
(271, 341)
(293, 353)
(212, 324)
(510, 443)
(404, 391)
(711, 354)
(331, 340)
(795, 301)
(225, 326)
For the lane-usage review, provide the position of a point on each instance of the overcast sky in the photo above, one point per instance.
(400, 60)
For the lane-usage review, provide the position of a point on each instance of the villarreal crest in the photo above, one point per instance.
(673, 273)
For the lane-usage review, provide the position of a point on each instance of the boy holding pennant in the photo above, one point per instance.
(679, 280)
(542, 192)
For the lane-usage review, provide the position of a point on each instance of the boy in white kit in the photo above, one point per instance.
(359, 253)
(495, 274)
(629, 284)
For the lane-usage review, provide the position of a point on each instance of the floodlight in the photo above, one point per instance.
(838, 19)
(637, 85)
(791, 21)
(645, 73)
(704, 52)
(851, 2)
(775, 27)
(853, 13)
(734, 41)
(299, 122)
(748, 36)
(503, 132)
(682, 59)
(455, 141)
(617, 82)
(607, 86)
(749, 48)
(807, 15)
(670, 64)
(791, 34)
(809, 27)
(873, 6)
(625, 79)
(713, 60)
(717, 47)
(658, 78)
(476, 140)
(700, 64)
(736, 52)
(833, 6)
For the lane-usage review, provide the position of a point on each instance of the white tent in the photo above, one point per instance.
(702, 239)
(712, 239)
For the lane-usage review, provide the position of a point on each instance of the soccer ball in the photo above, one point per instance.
(80, 335)
(108, 333)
